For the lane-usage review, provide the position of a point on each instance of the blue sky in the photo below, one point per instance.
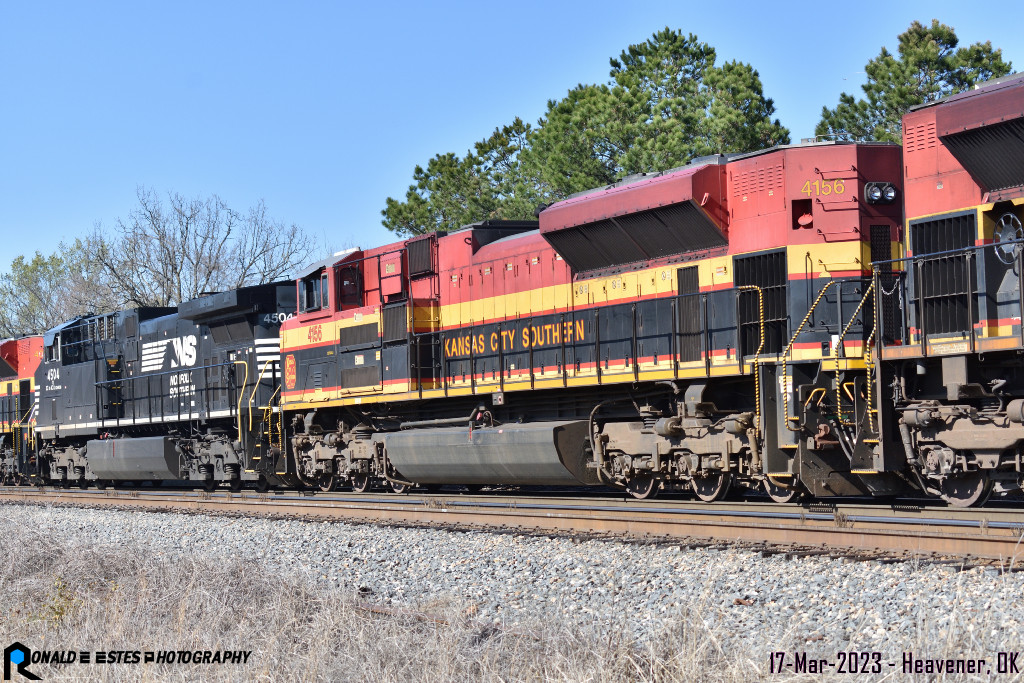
(323, 109)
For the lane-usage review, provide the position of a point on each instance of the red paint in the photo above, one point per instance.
(23, 355)
(701, 184)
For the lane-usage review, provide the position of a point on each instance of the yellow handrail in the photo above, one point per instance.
(839, 344)
(757, 355)
(16, 433)
(789, 347)
(269, 419)
(868, 363)
(256, 387)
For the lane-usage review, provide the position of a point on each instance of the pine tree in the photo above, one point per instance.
(928, 66)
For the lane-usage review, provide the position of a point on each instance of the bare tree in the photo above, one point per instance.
(268, 250)
(164, 254)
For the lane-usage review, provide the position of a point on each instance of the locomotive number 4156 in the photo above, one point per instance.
(823, 188)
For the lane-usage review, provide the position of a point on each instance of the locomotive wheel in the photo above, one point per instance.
(780, 494)
(399, 487)
(643, 486)
(262, 485)
(210, 484)
(235, 484)
(361, 482)
(326, 482)
(712, 487)
(966, 490)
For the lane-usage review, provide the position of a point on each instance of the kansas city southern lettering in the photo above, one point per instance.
(510, 341)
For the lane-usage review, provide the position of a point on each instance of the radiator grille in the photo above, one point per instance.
(360, 334)
(945, 282)
(688, 314)
(767, 271)
(360, 377)
(881, 250)
(396, 322)
(421, 256)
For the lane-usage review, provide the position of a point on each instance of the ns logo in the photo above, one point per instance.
(184, 351)
(183, 354)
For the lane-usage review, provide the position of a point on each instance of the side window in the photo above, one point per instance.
(53, 351)
(324, 291)
(311, 292)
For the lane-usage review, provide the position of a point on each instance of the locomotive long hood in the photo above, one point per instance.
(984, 130)
(230, 303)
(674, 213)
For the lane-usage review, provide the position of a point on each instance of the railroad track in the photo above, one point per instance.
(898, 532)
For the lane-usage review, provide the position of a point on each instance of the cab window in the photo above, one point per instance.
(313, 292)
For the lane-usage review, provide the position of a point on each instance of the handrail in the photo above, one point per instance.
(17, 424)
(241, 395)
(150, 375)
(839, 345)
(870, 376)
(757, 354)
(256, 387)
(789, 347)
(948, 252)
(280, 424)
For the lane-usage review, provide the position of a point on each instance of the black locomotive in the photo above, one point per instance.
(166, 394)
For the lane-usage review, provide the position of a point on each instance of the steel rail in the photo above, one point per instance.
(901, 529)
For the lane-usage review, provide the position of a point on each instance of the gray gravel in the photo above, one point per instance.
(515, 580)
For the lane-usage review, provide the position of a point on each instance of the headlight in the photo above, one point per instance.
(879, 193)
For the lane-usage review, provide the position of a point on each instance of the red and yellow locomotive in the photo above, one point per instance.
(949, 311)
(672, 331)
(19, 359)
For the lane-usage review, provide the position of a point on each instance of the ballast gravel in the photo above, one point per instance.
(514, 580)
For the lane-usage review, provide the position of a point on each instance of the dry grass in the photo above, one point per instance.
(95, 598)
(99, 598)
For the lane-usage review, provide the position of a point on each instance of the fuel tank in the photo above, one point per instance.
(143, 458)
(540, 453)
